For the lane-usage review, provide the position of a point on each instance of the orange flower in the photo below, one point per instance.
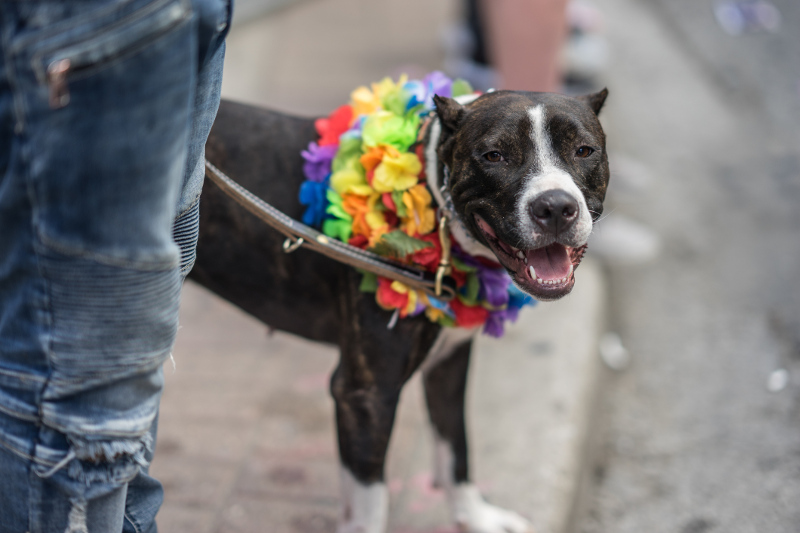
(372, 158)
(368, 219)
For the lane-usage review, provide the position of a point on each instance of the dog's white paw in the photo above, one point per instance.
(473, 515)
(364, 507)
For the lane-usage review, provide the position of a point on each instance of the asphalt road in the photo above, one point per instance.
(693, 441)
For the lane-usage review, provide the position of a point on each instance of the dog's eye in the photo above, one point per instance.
(584, 151)
(493, 157)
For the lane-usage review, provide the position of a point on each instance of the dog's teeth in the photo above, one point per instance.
(520, 254)
(532, 272)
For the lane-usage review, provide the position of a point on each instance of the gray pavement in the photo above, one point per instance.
(246, 439)
(693, 440)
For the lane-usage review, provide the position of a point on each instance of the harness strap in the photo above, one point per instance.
(300, 235)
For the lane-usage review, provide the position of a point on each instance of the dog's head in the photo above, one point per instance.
(528, 175)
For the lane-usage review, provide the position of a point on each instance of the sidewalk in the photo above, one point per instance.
(247, 444)
(246, 439)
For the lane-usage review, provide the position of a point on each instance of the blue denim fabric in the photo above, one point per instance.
(100, 176)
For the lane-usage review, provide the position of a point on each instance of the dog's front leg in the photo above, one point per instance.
(364, 419)
(445, 386)
(375, 362)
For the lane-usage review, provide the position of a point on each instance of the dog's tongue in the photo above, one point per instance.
(550, 262)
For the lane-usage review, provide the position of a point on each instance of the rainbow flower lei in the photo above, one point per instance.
(365, 185)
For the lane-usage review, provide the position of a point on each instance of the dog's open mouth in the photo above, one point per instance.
(547, 273)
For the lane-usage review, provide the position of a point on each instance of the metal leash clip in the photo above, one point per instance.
(444, 263)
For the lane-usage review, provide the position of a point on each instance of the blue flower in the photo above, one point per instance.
(422, 91)
(313, 195)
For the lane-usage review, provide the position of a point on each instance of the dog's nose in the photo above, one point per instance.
(554, 211)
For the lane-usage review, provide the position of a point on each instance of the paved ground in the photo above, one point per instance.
(691, 440)
(694, 442)
(246, 440)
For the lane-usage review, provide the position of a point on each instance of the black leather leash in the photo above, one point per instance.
(297, 234)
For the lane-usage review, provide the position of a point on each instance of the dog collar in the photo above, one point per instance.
(367, 185)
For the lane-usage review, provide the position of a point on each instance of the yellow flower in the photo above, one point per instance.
(386, 86)
(396, 172)
(375, 218)
(350, 181)
(413, 297)
(420, 215)
(434, 315)
(364, 101)
(368, 217)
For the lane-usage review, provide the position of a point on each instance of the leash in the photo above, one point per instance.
(438, 285)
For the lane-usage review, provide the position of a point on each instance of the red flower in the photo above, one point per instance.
(388, 201)
(332, 127)
(468, 317)
(388, 298)
(459, 277)
(359, 241)
(391, 219)
(428, 258)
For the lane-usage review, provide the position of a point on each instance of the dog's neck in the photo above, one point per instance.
(440, 189)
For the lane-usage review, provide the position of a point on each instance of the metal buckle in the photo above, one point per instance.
(444, 263)
(290, 246)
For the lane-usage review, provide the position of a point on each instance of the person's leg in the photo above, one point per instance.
(145, 493)
(96, 99)
(524, 41)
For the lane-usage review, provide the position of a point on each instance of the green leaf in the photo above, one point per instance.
(338, 229)
(369, 283)
(397, 197)
(398, 245)
(348, 154)
(446, 321)
(461, 266)
(461, 87)
(396, 101)
(339, 212)
(384, 127)
(469, 292)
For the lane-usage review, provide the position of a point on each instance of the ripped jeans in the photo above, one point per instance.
(105, 106)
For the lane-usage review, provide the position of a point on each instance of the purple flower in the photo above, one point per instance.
(495, 324)
(418, 310)
(421, 92)
(438, 83)
(494, 285)
(318, 161)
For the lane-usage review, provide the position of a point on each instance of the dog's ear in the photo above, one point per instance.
(450, 112)
(595, 101)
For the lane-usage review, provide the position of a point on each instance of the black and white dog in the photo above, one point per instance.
(527, 176)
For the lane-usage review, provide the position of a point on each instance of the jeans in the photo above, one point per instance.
(105, 106)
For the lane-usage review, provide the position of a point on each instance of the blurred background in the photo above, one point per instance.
(690, 422)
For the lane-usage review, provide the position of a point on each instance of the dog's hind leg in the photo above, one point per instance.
(445, 386)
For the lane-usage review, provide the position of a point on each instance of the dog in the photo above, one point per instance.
(527, 175)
